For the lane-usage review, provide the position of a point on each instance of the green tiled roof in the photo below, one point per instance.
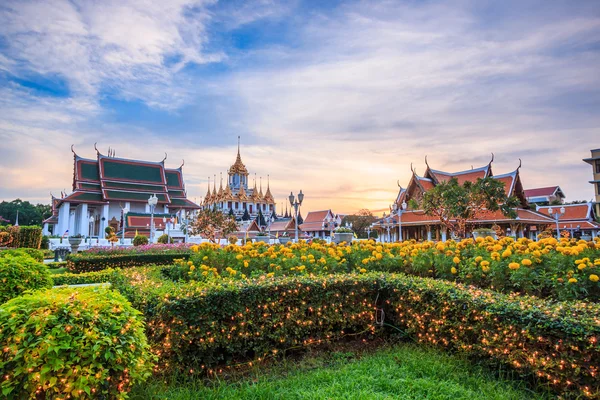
(121, 195)
(89, 186)
(176, 193)
(89, 171)
(135, 187)
(183, 203)
(173, 179)
(130, 171)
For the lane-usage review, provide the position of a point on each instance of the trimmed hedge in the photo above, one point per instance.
(23, 236)
(37, 255)
(103, 276)
(86, 343)
(82, 262)
(21, 273)
(200, 326)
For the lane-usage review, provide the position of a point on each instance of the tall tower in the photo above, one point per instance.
(238, 173)
(594, 161)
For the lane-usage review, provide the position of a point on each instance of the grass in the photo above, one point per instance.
(403, 371)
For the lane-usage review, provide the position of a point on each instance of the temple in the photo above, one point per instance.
(415, 224)
(237, 197)
(594, 161)
(111, 191)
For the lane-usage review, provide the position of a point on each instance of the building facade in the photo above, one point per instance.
(110, 191)
(594, 161)
(545, 196)
(579, 219)
(415, 224)
(237, 196)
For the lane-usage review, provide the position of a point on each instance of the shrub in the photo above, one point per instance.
(140, 240)
(87, 262)
(30, 236)
(85, 278)
(87, 342)
(165, 239)
(56, 264)
(37, 255)
(45, 242)
(199, 326)
(21, 273)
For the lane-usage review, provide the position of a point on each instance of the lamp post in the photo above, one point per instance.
(331, 224)
(556, 216)
(152, 202)
(124, 212)
(296, 203)
(399, 211)
(92, 220)
(387, 225)
(270, 221)
(368, 232)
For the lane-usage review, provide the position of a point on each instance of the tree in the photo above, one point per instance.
(360, 222)
(212, 224)
(231, 214)
(246, 216)
(300, 219)
(456, 205)
(260, 219)
(29, 214)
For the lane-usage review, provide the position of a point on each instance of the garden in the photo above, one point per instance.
(521, 316)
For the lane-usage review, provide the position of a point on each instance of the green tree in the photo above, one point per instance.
(456, 205)
(360, 222)
(213, 224)
(246, 216)
(29, 214)
(260, 219)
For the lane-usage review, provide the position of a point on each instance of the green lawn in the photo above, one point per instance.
(397, 372)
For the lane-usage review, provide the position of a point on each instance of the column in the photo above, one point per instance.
(429, 233)
(443, 234)
(103, 221)
(71, 223)
(84, 221)
(63, 218)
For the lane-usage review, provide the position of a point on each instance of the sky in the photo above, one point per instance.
(336, 98)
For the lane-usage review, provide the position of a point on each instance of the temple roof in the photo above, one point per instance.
(573, 212)
(238, 166)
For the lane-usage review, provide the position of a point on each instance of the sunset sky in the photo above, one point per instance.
(337, 98)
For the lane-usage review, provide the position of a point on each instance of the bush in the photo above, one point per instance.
(87, 342)
(104, 276)
(21, 273)
(165, 239)
(45, 242)
(87, 262)
(199, 326)
(37, 255)
(27, 236)
(140, 240)
(56, 264)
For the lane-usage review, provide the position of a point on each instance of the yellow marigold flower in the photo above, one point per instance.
(581, 267)
(526, 262)
(478, 258)
(485, 268)
(507, 253)
(246, 264)
(572, 280)
(365, 261)
(239, 257)
(453, 270)
(363, 270)
(456, 260)
(485, 263)
(495, 255)
(514, 265)
(192, 268)
(190, 263)
(594, 278)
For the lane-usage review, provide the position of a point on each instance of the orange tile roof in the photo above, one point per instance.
(317, 216)
(545, 191)
(572, 211)
(586, 225)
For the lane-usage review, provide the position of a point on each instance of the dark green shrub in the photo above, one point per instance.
(165, 239)
(21, 273)
(82, 262)
(29, 236)
(45, 242)
(37, 255)
(140, 240)
(56, 265)
(87, 342)
(84, 278)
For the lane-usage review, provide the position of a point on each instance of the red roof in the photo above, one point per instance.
(317, 216)
(586, 225)
(572, 211)
(312, 226)
(283, 225)
(540, 192)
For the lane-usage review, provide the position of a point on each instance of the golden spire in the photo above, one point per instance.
(214, 193)
(238, 167)
(208, 197)
(254, 196)
(268, 196)
(242, 194)
(260, 194)
(221, 186)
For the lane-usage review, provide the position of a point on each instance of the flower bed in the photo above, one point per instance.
(199, 326)
(562, 270)
(82, 262)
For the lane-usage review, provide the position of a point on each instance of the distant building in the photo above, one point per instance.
(283, 226)
(545, 196)
(578, 219)
(594, 161)
(320, 224)
(237, 196)
(106, 186)
(417, 225)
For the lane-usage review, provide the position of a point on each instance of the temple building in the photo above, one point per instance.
(594, 161)
(237, 196)
(545, 196)
(111, 191)
(579, 219)
(415, 224)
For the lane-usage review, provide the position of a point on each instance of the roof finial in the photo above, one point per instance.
(427, 163)
(73, 151)
(238, 144)
(164, 159)
(399, 184)
(261, 183)
(268, 181)
(182, 163)
(412, 169)
(520, 164)
(96, 148)
(492, 160)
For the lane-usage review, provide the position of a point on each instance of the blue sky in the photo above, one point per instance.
(334, 97)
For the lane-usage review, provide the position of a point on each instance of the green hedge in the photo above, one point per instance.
(37, 255)
(23, 236)
(62, 343)
(200, 326)
(82, 262)
(19, 273)
(106, 275)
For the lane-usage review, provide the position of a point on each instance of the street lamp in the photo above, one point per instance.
(331, 224)
(296, 203)
(270, 221)
(387, 225)
(91, 231)
(556, 216)
(152, 202)
(399, 211)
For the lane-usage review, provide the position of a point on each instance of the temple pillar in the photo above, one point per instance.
(444, 231)
(71, 223)
(63, 218)
(103, 221)
(84, 220)
(429, 233)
